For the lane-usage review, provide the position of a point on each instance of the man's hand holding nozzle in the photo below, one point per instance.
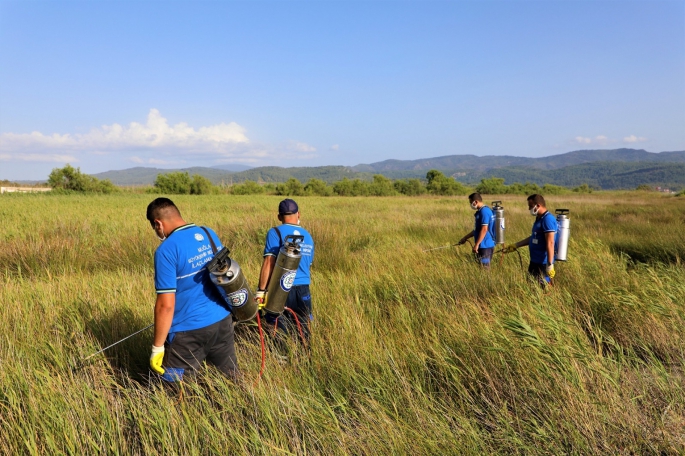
(510, 248)
(260, 298)
(550, 271)
(156, 359)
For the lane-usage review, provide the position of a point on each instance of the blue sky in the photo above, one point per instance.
(113, 84)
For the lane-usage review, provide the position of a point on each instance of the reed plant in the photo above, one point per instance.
(412, 352)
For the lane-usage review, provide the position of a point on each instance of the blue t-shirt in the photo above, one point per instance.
(180, 268)
(274, 243)
(484, 216)
(538, 244)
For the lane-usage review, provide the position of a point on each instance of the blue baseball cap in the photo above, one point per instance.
(287, 207)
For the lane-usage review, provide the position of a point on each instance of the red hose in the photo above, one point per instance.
(299, 326)
(261, 341)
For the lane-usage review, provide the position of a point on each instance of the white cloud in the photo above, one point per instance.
(156, 133)
(45, 158)
(155, 142)
(154, 161)
(298, 146)
(599, 140)
(634, 139)
(335, 147)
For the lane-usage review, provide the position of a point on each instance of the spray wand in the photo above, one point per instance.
(116, 343)
(442, 247)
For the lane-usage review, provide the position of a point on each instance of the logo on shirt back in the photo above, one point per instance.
(199, 237)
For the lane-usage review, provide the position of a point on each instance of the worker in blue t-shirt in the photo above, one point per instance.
(541, 243)
(299, 297)
(484, 231)
(192, 321)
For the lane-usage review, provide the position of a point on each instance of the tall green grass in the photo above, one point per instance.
(412, 352)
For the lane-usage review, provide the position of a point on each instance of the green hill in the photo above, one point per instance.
(607, 169)
(604, 175)
(472, 162)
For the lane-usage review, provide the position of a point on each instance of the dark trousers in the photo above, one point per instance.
(299, 301)
(539, 273)
(485, 255)
(185, 351)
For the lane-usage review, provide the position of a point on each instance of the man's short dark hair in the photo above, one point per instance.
(159, 208)
(537, 199)
(475, 197)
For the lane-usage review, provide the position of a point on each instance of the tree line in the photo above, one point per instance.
(70, 179)
(436, 183)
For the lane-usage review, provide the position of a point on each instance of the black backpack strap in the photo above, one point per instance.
(280, 238)
(211, 241)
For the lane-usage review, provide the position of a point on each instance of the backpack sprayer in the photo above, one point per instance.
(283, 274)
(226, 274)
(229, 279)
(498, 209)
(280, 283)
(564, 233)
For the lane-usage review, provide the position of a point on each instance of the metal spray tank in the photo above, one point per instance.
(563, 234)
(226, 274)
(499, 221)
(283, 274)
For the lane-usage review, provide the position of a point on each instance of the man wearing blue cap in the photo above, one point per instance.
(299, 298)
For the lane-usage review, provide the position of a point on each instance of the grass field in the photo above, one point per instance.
(412, 353)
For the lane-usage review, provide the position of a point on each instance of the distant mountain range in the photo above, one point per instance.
(233, 168)
(607, 169)
(485, 163)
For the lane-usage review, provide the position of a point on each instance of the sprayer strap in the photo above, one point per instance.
(211, 241)
(280, 238)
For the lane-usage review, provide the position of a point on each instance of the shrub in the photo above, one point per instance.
(72, 179)
(348, 187)
(439, 184)
(492, 186)
(549, 189)
(522, 189)
(200, 185)
(410, 187)
(292, 187)
(247, 188)
(317, 187)
(585, 188)
(381, 186)
(177, 183)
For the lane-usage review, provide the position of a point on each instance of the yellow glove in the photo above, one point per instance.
(509, 248)
(156, 359)
(260, 297)
(550, 271)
